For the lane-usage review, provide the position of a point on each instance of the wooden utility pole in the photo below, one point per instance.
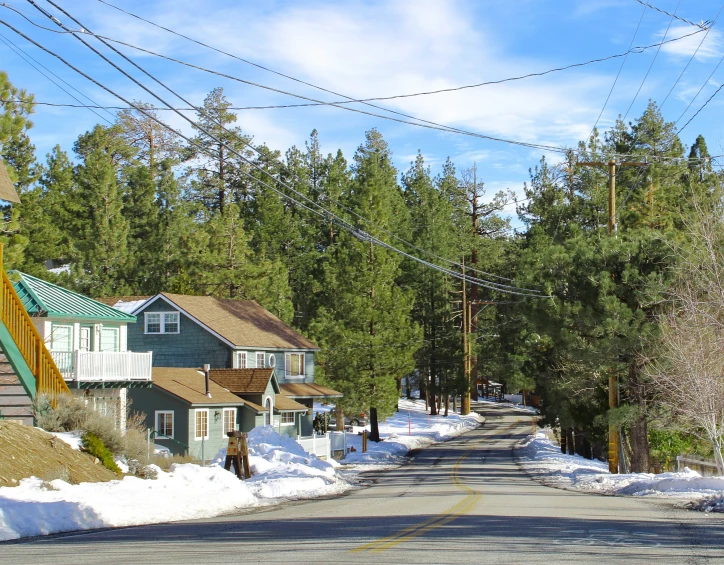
(465, 396)
(613, 436)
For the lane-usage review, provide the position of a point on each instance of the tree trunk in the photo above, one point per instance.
(640, 448)
(564, 436)
(374, 426)
(447, 404)
(339, 415)
(455, 402)
(569, 441)
(718, 458)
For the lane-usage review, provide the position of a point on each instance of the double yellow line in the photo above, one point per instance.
(460, 509)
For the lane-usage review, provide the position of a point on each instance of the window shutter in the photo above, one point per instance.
(286, 363)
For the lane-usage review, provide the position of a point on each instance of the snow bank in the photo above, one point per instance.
(73, 439)
(410, 428)
(543, 459)
(187, 491)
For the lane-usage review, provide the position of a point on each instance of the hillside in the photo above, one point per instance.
(28, 451)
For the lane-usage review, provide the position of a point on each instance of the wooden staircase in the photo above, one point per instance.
(25, 353)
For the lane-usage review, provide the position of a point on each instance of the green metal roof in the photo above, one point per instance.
(42, 298)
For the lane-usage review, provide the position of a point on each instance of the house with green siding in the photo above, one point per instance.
(233, 335)
(88, 341)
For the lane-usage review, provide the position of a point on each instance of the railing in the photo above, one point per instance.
(48, 379)
(705, 467)
(316, 445)
(102, 366)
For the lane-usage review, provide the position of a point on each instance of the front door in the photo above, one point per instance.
(85, 338)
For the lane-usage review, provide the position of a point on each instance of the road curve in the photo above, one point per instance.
(463, 501)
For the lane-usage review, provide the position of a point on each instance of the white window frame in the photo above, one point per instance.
(238, 356)
(263, 360)
(287, 413)
(117, 343)
(197, 437)
(223, 421)
(162, 316)
(53, 329)
(173, 423)
(287, 365)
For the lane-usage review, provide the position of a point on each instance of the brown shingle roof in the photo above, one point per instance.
(282, 402)
(241, 322)
(307, 390)
(7, 190)
(189, 385)
(242, 381)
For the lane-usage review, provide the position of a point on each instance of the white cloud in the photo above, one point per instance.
(709, 44)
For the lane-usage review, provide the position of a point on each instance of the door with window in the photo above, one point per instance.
(85, 338)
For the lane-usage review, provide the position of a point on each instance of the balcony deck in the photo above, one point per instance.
(103, 366)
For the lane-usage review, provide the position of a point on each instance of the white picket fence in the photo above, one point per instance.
(324, 445)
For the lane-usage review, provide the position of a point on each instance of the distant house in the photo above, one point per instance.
(252, 353)
(88, 342)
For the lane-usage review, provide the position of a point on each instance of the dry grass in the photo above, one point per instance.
(166, 462)
(28, 452)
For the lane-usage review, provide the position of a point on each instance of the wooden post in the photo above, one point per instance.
(237, 454)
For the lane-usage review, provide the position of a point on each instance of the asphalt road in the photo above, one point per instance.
(464, 501)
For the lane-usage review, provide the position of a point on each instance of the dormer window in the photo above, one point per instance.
(162, 322)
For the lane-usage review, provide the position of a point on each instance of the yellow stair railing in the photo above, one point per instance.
(29, 342)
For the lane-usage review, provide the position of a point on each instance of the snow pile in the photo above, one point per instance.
(410, 428)
(280, 468)
(187, 491)
(73, 439)
(543, 459)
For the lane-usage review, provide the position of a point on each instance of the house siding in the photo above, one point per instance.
(193, 346)
(148, 401)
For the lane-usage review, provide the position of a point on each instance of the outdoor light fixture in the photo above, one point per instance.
(217, 415)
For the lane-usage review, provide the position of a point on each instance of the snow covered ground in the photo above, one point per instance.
(410, 428)
(543, 459)
(281, 470)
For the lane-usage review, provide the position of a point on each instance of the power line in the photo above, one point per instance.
(424, 123)
(671, 21)
(28, 58)
(708, 29)
(701, 108)
(701, 26)
(326, 215)
(618, 74)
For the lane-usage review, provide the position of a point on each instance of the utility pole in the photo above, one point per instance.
(613, 434)
(465, 396)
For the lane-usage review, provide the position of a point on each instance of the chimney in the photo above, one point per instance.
(207, 370)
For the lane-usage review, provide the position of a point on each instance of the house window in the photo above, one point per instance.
(201, 427)
(61, 338)
(229, 420)
(164, 423)
(260, 360)
(287, 418)
(162, 322)
(294, 364)
(240, 360)
(109, 339)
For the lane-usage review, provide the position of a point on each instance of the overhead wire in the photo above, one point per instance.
(702, 25)
(671, 21)
(322, 213)
(29, 59)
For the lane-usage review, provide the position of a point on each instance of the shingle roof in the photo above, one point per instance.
(285, 403)
(244, 381)
(308, 390)
(190, 385)
(7, 190)
(42, 298)
(242, 323)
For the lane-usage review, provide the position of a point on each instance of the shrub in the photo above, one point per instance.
(93, 445)
(69, 413)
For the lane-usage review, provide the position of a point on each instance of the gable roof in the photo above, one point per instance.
(42, 298)
(189, 385)
(244, 381)
(241, 323)
(286, 404)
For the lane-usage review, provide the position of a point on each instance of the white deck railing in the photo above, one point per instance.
(103, 366)
(324, 445)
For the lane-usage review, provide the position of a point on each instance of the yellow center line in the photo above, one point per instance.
(459, 509)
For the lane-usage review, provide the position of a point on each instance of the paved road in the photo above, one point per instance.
(464, 501)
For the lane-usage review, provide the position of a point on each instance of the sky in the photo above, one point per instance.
(371, 48)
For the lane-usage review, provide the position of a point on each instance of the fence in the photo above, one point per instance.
(704, 467)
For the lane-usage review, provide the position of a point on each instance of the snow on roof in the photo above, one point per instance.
(128, 307)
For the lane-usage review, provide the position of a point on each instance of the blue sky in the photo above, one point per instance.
(366, 49)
